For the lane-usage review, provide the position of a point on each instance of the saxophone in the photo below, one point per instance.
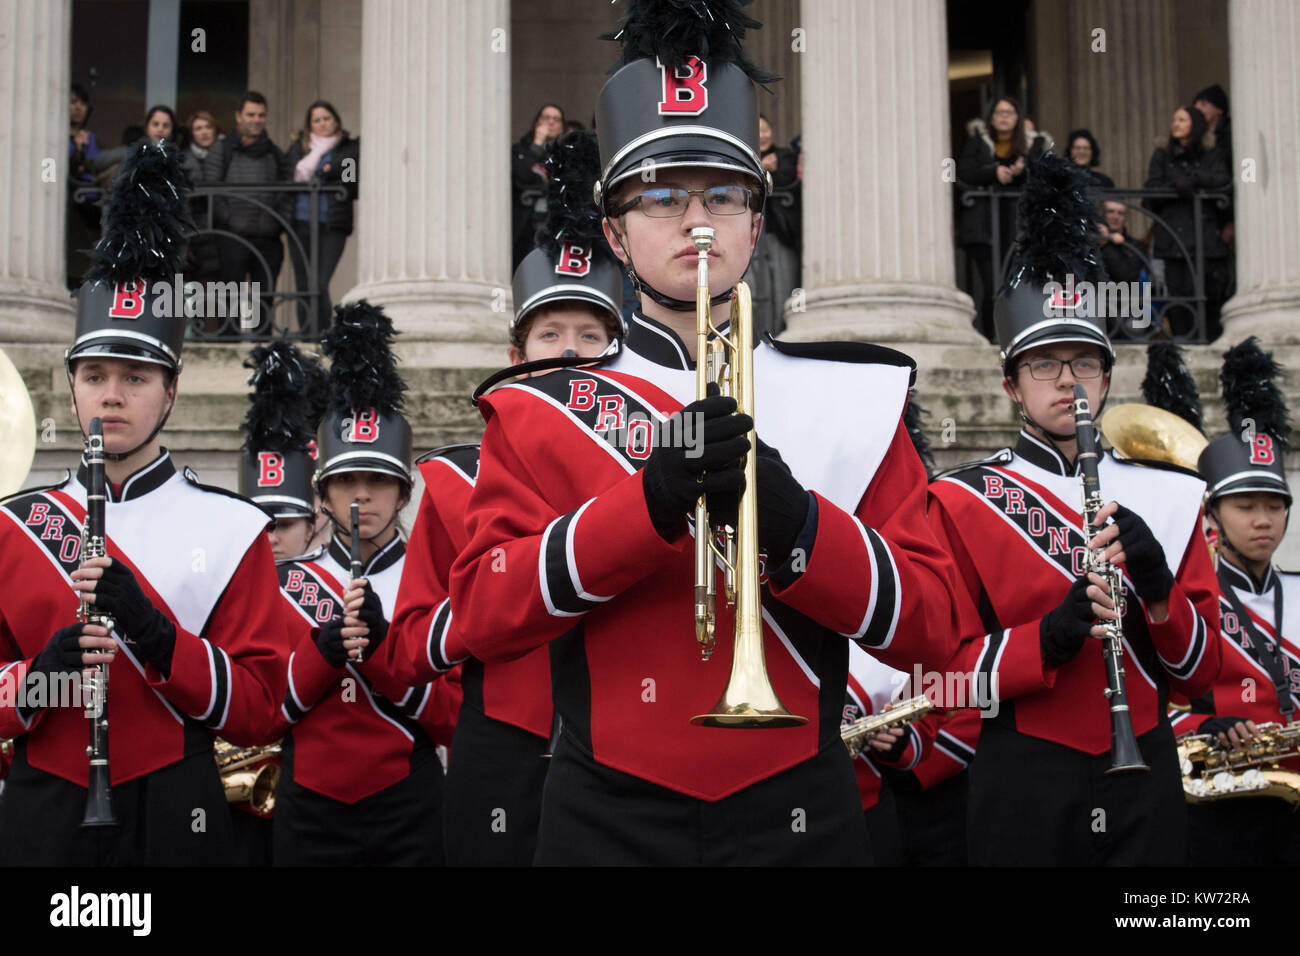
(1213, 772)
(856, 734)
(249, 774)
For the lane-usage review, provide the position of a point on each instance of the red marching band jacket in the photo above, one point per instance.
(1245, 688)
(428, 644)
(1013, 525)
(562, 549)
(201, 557)
(351, 731)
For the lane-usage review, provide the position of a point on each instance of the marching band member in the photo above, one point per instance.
(199, 643)
(568, 296)
(1039, 788)
(590, 535)
(1248, 504)
(361, 781)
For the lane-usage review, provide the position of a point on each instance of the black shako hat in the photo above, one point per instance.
(682, 93)
(1041, 303)
(1249, 458)
(363, 428)
(572, 261)
(277, 459)
(119, 312)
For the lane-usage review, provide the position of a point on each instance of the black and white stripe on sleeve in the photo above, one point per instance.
(557, 569)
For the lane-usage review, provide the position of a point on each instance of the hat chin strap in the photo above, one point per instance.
(121, 456)
(659, 298)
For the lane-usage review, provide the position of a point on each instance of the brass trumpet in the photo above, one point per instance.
(856, 734)
(728, 360)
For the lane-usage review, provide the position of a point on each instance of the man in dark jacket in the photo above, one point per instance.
(249, 156)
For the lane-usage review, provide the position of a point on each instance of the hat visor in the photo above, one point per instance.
(120, 347)
(280, 506)
(1060, 331)
(363, 461)
(567, 293)
(683, 150)
(1250, 483)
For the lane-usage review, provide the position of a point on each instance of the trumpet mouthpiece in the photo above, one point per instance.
(702, 236)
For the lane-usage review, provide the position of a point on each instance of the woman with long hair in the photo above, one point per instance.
(528, 179)
(325, 152)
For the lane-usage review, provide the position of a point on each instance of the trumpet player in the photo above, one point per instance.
(579, 531)
(1040, 787)
(1248, 504)
(198, 643)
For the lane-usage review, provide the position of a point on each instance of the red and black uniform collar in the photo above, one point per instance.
(140, 482)
(1043, 453)
(1231, 575)
(657, 342)
(381, 560)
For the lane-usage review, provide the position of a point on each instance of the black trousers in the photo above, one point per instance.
(883, 830)
(1036, 803)
(252, 838)
(809, 815)
(330, 243)
(398, 826)
(495, 775)
(1243, 831)
(932, 822)
(238, 263)
(176, 816)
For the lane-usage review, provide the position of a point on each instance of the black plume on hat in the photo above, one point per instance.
(572, 168)
(316, 394)
(672, 30)
(1058, 225)
(363, 369)
(1168, 384)
(279, 416)
(147, 219)
(912, 415)
(1250, 391)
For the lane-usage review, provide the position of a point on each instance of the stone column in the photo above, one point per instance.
(35, 38)
(878, 170)
(1264, 37)
(434, 236)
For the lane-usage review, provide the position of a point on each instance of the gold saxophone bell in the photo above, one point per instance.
(728, 360)
(249, 775)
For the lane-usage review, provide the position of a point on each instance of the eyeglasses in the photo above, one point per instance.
(1004, 112)
(669, 202)
(1049, 369)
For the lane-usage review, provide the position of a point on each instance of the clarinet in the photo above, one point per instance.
(354, 549)
(94, 688)
(1124, 753)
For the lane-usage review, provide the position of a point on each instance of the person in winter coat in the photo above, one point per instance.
(1189, 161)
(995, 155)
(326, 152)
(774, 269)
(1084, 152)
(528, 180)
(200, 159)
(250, 157)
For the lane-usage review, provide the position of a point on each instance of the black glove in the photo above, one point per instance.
(62, 654)
(1220, 725)
(782, 505)
(1143, 557)
(329, 641)
(118, 594)
(371, 614)
(895, 751)
(1063, 629)
(673, 482)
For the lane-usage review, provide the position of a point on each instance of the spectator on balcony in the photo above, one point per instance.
(248, 157)
(324, 152)
(528, 179)
(201, 160)
(159, 124)
(994, 156)
(774, 267)
(82, 221)
(1213, 104)
(1124, 256)
(1187, 162)
(1085, 152)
